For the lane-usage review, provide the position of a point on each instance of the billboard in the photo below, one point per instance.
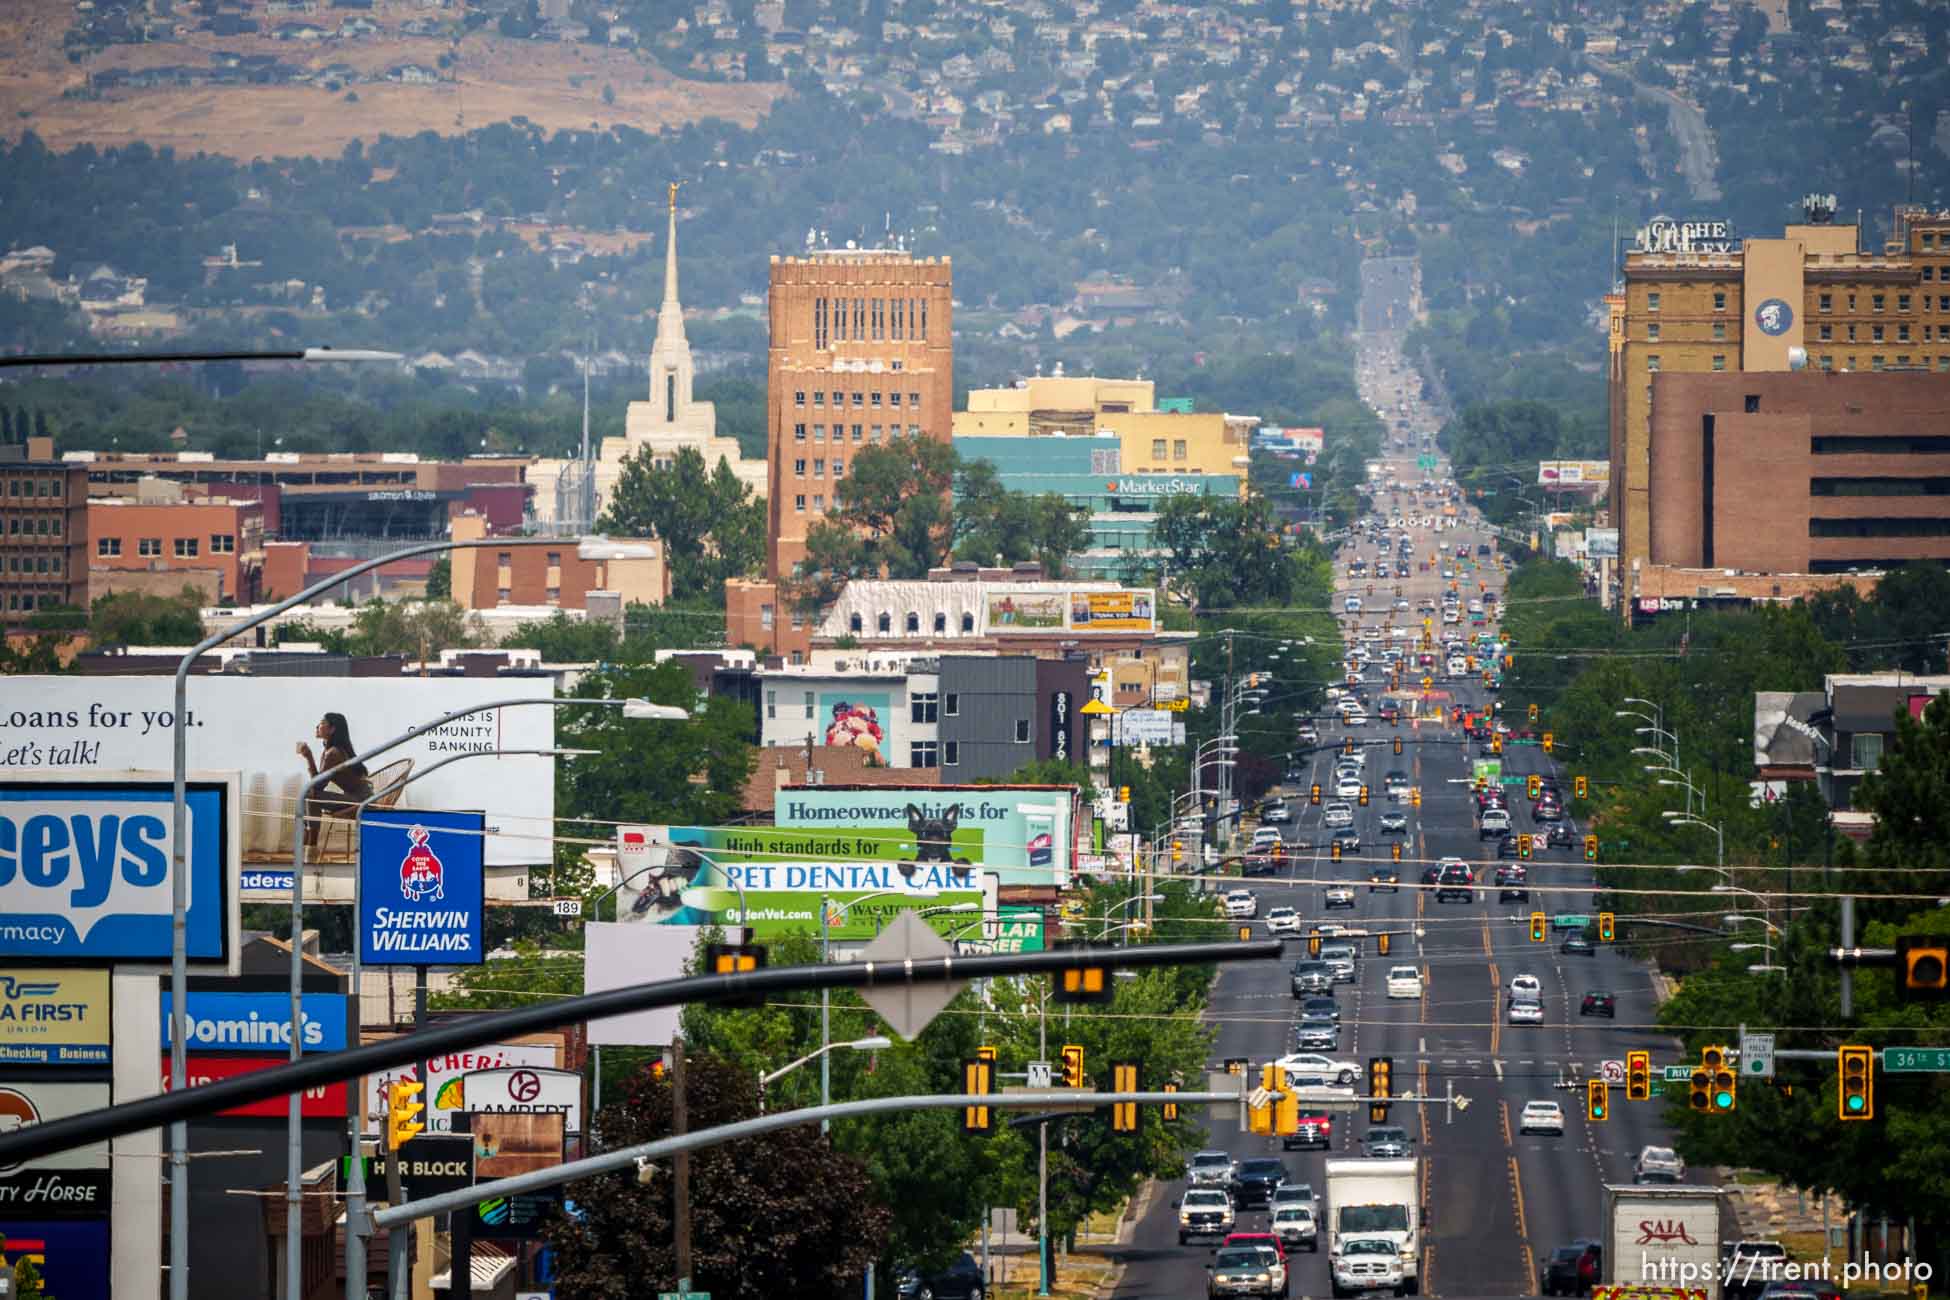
(1111, 611)
(85, 868)
(54, 1017)
(71, 1255)
(1013, 930)
(618, 955)
(421, 894)
(1574, 473)
(510, 1143)
(771, 880)
(525, 1090)
(100, 726)
(1027, 834)
(258, 1022)
(1601, 543)
(63, 1184)
(1308, 440)
(1026, 611)
(445, 1072)
(1144, 727)
(321, 1101)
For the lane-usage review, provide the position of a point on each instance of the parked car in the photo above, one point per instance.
(961, 1280)
(1572, 1269)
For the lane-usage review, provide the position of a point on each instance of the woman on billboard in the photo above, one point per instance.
(346, 790)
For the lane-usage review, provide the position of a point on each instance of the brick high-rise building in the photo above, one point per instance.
(43, 531)
(862, 351)
(1696, 300)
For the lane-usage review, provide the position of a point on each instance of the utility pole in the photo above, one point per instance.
(680, 1164)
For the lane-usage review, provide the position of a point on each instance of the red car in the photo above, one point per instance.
(1316, 1129)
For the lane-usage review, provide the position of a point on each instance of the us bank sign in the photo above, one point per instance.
(1664, 235)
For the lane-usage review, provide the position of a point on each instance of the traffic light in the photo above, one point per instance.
(1856, 1095)
(1594, 1100)
(1334, 850)
(1638, 1076)
(1286, 1112)
(1171, 1107)
(1259, 1103)
(977, 1080)
(1538, 930)
(733, 958)
(1313, 943)
(1580, 786)
(1533, 786)
(1396, 851)
(1081, 983)
(1314, 798)
(1381, 940)
(1398, 744)
(1245, 934)
(1591, 848)
(1533, 713)
(1415, 797)
(1724, 1096)
(1364, 796)
(1347, 747)
(1523, 846)
(1922, 967)
(1550, 739)
(1496, 744)
(1072, 1066)
(1607, 926)
(402, 1126)
(1123, 794)
(1178, 846)
(1700, 1096)
(1124, 1114)
(1381, 1070)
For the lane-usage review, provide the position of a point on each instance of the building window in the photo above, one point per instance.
(1875, 334)
(1929, 240)
(799, 397)
(1865, 750)
(811, 709)
(856, 433)
(859, 399)
(1827, 362)
(798, 433)
(799, 468)
(940, 623)
(1652, 332)
(1876, 301)
(1827, 301)
(1902, 302)
(1719, 300)
(148, 546)
(1929, 273)
(913, 430)
(108, 546)
(923, 753)
(894, 398)
(886, 623)
(913, 623)
(1652, 302)
(819, 467)
(1022, 731)
(967, 624)
(1943, 302)
(502, 595)
(1719, 363)
(551, 595)
(1902, 333)
(853, 624)
(819, 502)
(1652, 363)
(1851, 302)
(951, 704)
(914, 399)
(1178, 449)
(799, 502)
(873, 400)
(951, 753)
(819, 397)
(1826, 332)
(771, 697)
(223, 543)
(798, 619)
(766, 617)
(1157, 449)
(839, 468)
(1719, 330)
(1875, 363)
(922, 706)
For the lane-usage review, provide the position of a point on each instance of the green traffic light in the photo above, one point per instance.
(1855, 1103)
(1724, 1100)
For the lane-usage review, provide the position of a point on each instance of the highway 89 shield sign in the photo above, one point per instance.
(420, 888)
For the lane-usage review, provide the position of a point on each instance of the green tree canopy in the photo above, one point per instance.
(711, 523)
(992, 520)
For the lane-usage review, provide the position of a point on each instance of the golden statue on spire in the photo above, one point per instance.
(673, 194)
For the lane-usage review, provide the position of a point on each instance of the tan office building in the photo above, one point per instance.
(862, 351)
(1692, 302)
(1150, 441)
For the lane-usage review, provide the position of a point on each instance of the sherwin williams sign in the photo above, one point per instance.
(84, 870)
(421, 889)
(258, 1022)
(1027, 833)
(54, 1017)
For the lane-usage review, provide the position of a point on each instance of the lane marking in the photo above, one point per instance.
(1516, 1187)
(1499, 1070)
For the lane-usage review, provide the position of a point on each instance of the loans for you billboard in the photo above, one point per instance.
(263, 726)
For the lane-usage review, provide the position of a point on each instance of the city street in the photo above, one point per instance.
(1496, 1202)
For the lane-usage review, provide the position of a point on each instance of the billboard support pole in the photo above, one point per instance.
(179, 885)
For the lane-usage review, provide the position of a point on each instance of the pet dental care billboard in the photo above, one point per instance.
(772, 880)
(1028, 833)
(104, 726)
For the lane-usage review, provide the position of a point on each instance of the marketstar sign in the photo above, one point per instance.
(1161, 485)
(421, 888)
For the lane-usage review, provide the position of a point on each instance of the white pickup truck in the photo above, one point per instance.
(1370, 1200)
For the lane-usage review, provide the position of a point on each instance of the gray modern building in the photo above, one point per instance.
(1000, 712)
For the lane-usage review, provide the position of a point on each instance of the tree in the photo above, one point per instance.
(1910, 794)
(684, 773)
(823, 1223)
(711, 523)
(992, 520)
(892, 520)
(1227, 551)
(440, 576)
(133, 618)
(420, 629)
(563, 640)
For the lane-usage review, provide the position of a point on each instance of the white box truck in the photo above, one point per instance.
(1663, 1236)
(1369, 1199)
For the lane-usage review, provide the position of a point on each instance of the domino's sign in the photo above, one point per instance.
(85, 869)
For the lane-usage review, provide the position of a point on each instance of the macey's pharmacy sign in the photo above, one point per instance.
(1664, 235)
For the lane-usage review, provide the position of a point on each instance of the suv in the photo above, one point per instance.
(1211, 1169)
(1386, 1143)
(1246, 1270)
(1204, 1212)
(1253, 1181)
(1496, 822)
(1241, 905)
(1312, 977)
(1455, 882)
(1293, 1224)
(961, 1280)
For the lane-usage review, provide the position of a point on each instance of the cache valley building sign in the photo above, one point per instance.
(1664, 235)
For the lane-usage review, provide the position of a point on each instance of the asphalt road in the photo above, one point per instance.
(1497, 1202)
